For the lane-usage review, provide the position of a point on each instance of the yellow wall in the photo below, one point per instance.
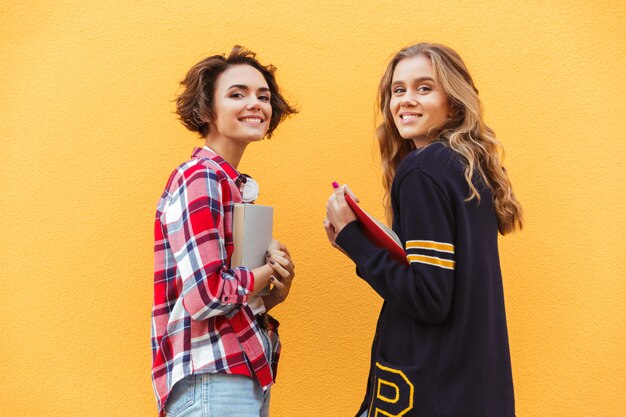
(89, 138)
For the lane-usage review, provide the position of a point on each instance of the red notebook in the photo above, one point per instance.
(379, 234)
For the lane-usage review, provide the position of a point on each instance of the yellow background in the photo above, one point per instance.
(89, 138)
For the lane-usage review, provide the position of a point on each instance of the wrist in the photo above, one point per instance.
(278, 298)
(339, 227)
(270, 301)
(343, 226)
(261, 278)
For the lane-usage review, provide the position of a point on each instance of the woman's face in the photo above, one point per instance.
(418, 102)
(241, 105)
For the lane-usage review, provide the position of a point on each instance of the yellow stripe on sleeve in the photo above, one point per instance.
(431, 260)
(430, 244)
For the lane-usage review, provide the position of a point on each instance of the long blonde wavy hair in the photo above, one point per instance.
(465, 133)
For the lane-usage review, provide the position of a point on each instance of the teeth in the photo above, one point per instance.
(409, 116)
(251, 119)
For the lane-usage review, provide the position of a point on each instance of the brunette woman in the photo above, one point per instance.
(215, 349)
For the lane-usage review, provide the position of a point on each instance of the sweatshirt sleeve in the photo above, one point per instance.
(194, 220)
(423, 289)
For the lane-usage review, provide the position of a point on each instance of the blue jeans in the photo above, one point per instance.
(218, 395)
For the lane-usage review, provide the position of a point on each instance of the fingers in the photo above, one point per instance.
(339, 194)
(269, 253)
(277, 284)
(330, 207)
(282, 268)
(284, 249)
(338, 210)
(341, 191)
(284, 260)
(350, 193)
(275, 245)
(333, 208)
(330, 231)
(332, 204)
(282, 256)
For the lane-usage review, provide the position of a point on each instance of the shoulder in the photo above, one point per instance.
(436, 164)
(435, 160)
(195, 169)
(435, 169)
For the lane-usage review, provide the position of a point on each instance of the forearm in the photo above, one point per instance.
(261, 278)
(217, 294)
(425, 297)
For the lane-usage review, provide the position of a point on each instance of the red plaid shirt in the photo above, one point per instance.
(200, 320)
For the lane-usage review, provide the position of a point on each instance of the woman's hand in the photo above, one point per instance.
(338, 212)
(332, 235)
(279, 259)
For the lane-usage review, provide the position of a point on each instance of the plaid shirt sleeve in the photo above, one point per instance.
(194, 220)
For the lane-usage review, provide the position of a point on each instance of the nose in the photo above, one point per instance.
(254, 103)
(408, 100)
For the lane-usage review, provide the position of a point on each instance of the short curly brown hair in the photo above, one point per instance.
(194, 105)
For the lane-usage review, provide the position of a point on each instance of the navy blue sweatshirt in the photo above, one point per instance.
(441, 345)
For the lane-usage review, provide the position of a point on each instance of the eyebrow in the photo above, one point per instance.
(417, 79)
(245, 87)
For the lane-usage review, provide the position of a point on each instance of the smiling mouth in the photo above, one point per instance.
(251, 120)
(410, 116)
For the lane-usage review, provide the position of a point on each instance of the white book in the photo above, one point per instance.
(252, 234)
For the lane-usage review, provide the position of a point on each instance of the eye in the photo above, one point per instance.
(398, 90)
(424, 89)
(264, 98)
(236, 95)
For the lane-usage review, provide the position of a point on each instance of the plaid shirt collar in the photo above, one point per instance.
(208, 153)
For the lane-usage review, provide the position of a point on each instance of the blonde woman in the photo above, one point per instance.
(441, 346)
